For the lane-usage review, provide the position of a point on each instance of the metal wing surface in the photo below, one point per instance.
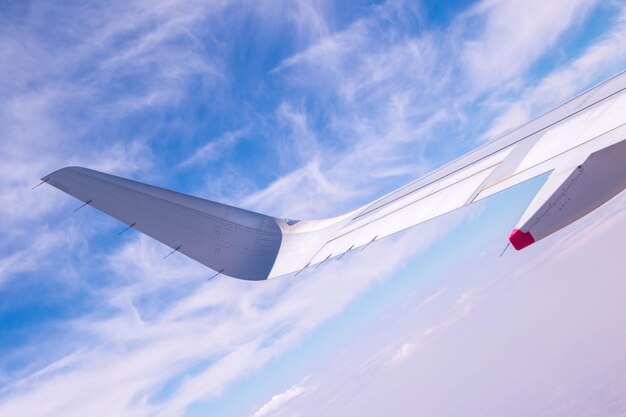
(581, 144)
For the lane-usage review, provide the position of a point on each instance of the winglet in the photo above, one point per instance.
(520, 239)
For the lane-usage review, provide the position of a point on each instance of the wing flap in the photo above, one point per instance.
(569, 195)
(395, 219)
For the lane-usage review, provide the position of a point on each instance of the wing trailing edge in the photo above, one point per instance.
(581, 144)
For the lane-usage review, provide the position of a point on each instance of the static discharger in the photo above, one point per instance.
(42, 182)
(172, 252)
(88, 202)
(349, 249)
(505, 248)
(369, 243)
(216, 275)
(327, 258)
(305, 267)
(128, 228)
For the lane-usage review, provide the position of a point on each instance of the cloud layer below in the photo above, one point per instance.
(298, 109)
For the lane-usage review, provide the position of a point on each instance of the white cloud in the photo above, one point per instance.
(597, 61)
(402, 354)
(392, 95)
(302, 194)
(522, 324)
(66, 107)
(215, 148)
(279, 400)
(237, 326)
(512, 35)
(464, 304)
(387, 97)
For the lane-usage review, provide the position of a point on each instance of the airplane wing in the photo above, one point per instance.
(581, 144)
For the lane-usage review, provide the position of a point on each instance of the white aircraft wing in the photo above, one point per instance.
(582, 144)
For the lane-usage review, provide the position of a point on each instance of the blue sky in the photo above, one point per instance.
(299, 109)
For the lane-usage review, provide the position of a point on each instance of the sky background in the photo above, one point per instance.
(299, 109)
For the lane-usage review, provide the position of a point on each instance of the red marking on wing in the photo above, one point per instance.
(520, 239)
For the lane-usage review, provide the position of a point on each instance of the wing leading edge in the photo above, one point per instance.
(582, 144)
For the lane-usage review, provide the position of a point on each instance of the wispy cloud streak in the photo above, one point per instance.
(339, 117)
